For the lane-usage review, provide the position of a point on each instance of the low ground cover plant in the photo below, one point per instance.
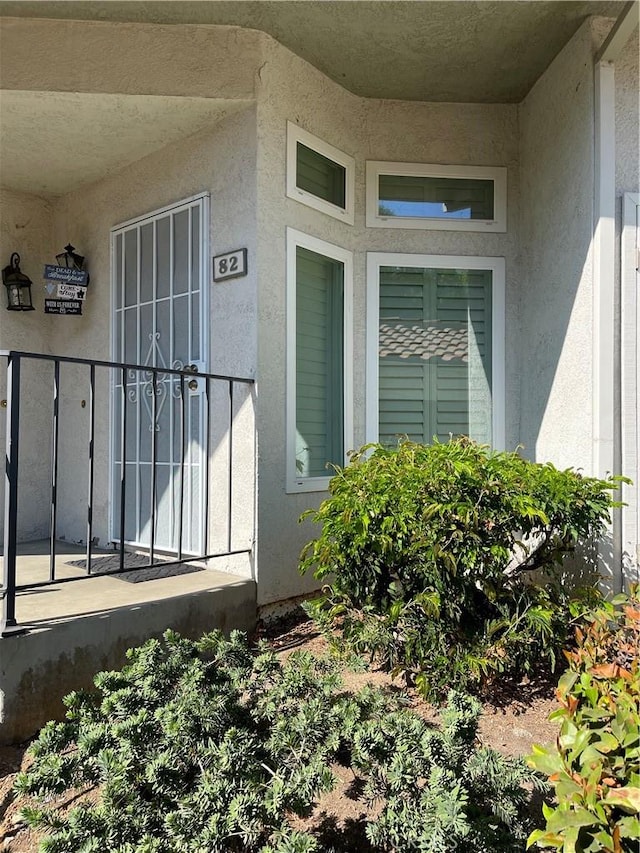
(443, 559)
(208, 746)
(595, 766)
(440, 792)
(194, 746)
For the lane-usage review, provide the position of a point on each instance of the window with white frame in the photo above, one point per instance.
(435, 348)
(319, 358)
(449, 198)
(319, 175)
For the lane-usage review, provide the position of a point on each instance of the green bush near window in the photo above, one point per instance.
(595, 766)
(445, 559)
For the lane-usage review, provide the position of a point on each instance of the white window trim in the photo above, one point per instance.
(630, 381)
(375, 260)
(296, 134)
(498, 174)
(294, 482)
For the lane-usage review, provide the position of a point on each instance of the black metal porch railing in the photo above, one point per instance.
(155, 381)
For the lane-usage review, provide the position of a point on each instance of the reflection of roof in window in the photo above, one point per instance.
(423, 340)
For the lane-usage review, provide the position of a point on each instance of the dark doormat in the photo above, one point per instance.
(108, 563)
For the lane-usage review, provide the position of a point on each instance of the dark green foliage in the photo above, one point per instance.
(207, 746)
(430, 549)
(595, 765)
(440, 791)
(195, 746)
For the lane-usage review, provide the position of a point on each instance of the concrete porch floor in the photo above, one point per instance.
(47, 605)
(73, 630)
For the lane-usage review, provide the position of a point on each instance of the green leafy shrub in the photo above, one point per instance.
(430, 550)
(206, 746)
(440, 792)
(595, 768)
(194, 746)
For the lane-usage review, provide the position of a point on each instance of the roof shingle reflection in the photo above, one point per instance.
(424, 341)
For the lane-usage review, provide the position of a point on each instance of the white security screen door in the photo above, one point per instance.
(435, 362)
(160, 316)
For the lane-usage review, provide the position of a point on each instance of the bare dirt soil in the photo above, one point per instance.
(514, 717)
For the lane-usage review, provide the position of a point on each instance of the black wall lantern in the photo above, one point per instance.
(18, 286)
(70, 258)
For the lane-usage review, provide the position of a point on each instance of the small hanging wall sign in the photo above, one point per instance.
(67, 281)
(65, 275)
(71, 291)
(63, 306)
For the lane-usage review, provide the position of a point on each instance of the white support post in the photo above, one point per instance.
(604, 416)
(630, 382)
(605, 419)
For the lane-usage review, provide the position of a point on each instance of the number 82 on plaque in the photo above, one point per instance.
(230, 265)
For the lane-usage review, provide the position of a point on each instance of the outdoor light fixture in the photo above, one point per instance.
(18, 286)
(70, 259)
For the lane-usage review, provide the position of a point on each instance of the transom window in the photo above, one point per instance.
(435, 348)
(319, 175)
(319, 356)
(455, 198)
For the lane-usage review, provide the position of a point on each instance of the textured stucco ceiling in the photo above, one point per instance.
(416, 50)
(51, 143)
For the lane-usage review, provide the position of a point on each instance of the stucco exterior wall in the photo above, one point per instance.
(220, 162)
(26, 227)
(292, 90)
(167, 66)
(627, 75)
(128, 58)
(546, 143)
(289, 89)
(556, 215)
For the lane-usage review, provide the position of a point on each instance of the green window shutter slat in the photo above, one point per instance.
(435, 353)
(320, 176)
(319, 363)
(400, 407)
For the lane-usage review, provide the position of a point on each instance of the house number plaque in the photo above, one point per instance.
(230, 265)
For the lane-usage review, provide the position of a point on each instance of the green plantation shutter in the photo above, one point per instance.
(403, 397)
(408, 195)
(434, 354)
(320, 176)
(319, 363)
